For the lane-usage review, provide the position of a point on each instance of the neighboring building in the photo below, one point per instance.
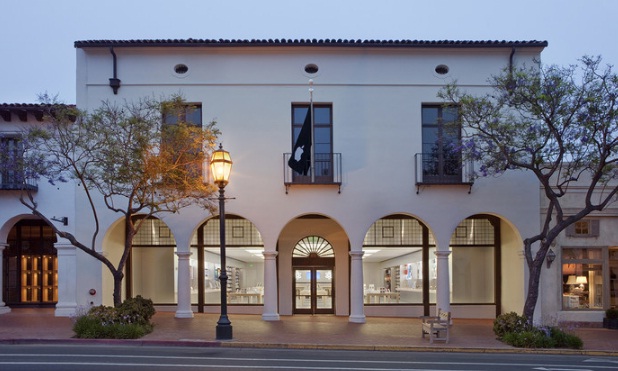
(33, 258)
(582, 281)
(388, 223)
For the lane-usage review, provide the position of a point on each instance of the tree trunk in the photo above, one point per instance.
(533, 292)
(534, 269)
(118, 276)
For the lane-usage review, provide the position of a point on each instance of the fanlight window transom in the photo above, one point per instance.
(313, 246)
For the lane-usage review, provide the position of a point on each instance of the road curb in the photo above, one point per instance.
(240, 344)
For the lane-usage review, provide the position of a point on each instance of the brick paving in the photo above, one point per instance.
(299, 331)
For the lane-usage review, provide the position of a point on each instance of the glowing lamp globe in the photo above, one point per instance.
(220, 166)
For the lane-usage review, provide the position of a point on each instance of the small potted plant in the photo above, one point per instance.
(611, 318)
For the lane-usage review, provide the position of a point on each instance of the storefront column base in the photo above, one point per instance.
(184, 314)
(4, 309)
(357, 319)
(270, 317)
(65, 309)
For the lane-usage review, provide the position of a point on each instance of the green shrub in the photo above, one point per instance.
(533, 338)
(136, 310)
(88, 327)
(565, 340)
(542, 337)
(510, 322)
(105, 315)
(131, 320)
(515, 330)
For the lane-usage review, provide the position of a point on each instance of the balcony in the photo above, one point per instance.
(430, 169)
(327, 168)
(10, 182)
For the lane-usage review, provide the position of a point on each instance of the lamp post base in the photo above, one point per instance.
(224, 332)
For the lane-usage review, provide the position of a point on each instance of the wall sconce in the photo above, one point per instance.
(64, 220)
(551, 256)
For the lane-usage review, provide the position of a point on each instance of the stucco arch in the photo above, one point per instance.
(112, 247)
(511, 274)
(331, 230)
(244, 257)
(10, 223)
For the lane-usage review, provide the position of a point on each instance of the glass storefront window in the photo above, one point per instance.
(245, 272)
(472, 277)
(582, 278)
(154, 273)
(154, 264)
(393, 262)
(472, 261)
(244, 259)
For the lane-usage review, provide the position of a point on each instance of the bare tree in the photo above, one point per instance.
(128, 155)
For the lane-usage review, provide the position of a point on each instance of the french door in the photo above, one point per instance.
(313, 290)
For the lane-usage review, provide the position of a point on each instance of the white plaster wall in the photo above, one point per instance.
(513, 269)
(377, 95)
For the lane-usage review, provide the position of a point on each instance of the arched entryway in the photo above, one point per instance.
(313, 264)
(30, 265)
(293, 244)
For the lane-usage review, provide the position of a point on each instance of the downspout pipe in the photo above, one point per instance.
(511, 83)
(114, 82)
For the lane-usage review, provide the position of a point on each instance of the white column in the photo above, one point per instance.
(270, 312)
(3, 308)
(357, 312)
(67, 280)
(183, 309)
(443, 300)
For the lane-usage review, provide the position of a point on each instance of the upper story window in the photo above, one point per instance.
(583, 228)
(190, 113)
(11, 165)
(441, 160)
(312, 129)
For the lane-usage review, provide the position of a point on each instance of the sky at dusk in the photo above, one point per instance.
(37, 36)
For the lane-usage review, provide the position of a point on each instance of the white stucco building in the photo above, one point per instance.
(385, 223)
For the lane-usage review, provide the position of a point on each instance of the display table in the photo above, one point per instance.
(251, 298)
(381, 297)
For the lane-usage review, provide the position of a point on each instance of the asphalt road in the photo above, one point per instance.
(106, 357)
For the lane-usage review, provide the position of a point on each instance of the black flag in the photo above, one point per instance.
(301, 153)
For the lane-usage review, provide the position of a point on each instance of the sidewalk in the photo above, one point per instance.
(299, 331)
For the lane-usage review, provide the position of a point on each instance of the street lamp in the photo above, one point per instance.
(220, 168)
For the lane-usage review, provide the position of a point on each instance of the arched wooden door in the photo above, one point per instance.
(30, 265)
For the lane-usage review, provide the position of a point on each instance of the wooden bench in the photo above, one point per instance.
(437, 326)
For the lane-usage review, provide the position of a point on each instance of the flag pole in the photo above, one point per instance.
(312, 158)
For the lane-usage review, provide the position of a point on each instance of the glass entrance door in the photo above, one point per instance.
(313, 291)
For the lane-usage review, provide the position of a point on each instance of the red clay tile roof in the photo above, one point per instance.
(310, 42)
(21, 110)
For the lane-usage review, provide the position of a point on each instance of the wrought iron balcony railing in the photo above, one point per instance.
(431, 169)
(15, 183)
(326, 167)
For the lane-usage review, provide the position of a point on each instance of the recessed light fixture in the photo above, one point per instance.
(369, 252)
(256, 252)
